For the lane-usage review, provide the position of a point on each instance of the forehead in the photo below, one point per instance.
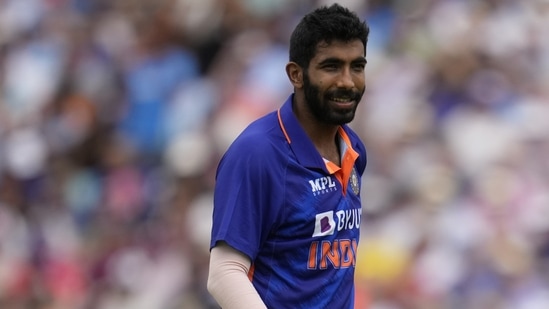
(339, 49)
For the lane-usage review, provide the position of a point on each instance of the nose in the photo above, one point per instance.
(345, 79)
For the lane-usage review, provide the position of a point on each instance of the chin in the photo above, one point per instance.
(343, 117)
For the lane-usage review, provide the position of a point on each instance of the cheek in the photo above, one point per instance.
(321, 85)
(360, 86)
(322, 79)
(359, 80)
(320, 82)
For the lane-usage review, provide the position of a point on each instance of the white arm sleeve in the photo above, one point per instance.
(228, 280)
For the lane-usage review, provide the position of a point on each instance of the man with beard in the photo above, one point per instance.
(287, 204)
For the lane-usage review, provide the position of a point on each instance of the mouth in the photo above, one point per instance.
(342, 101)
(343, 98)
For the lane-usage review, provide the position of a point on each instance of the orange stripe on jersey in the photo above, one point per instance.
(282, 127)
(251, 272)
(348, 160)
(334, 169)
(343, 173)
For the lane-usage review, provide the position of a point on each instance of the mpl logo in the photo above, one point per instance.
(322, 185)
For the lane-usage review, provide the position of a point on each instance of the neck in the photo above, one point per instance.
(323, 136)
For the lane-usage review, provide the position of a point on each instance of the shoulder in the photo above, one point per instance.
(260, 136)
(261, 143)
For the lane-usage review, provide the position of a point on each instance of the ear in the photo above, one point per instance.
(295, 74)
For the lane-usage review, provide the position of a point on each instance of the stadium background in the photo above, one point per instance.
(113, 115)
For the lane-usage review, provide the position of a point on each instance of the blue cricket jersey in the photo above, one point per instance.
(294, 214)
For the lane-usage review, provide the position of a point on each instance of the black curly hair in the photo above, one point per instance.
(325, 24)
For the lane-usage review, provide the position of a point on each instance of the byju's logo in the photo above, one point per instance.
(324, 224)
(322, 185)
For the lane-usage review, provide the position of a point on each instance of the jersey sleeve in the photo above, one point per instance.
(248, 196)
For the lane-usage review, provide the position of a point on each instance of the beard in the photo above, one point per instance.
(320, 105)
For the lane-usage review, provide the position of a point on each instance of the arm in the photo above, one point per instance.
(228, 280)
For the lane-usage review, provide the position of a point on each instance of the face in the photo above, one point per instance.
(334, 83)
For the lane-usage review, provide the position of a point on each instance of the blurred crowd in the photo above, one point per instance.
(114, 114)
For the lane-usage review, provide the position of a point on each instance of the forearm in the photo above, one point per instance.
(228, 280)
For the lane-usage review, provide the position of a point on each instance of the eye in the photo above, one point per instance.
(359, 67)
(330, 67)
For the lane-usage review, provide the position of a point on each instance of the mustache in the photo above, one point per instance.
(342, 93)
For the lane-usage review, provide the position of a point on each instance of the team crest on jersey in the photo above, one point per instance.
(355, 184)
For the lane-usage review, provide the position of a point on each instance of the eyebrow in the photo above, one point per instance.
(360, 60)
(333, 60)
